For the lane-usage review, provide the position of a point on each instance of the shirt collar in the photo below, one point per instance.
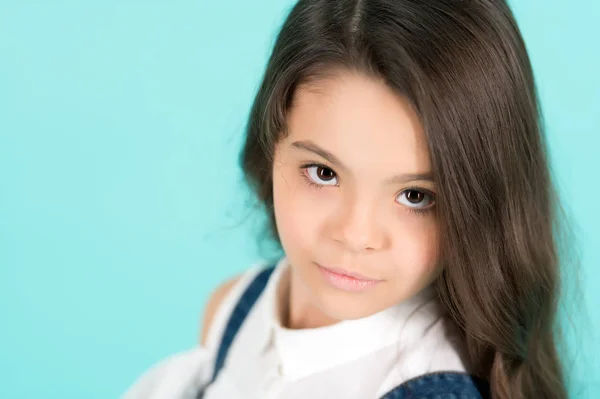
(306, 351)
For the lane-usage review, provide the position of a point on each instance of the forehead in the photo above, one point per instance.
(361, 121)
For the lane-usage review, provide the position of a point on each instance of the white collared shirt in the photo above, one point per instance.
(362, 358)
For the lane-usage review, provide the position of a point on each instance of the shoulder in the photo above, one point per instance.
(213, 303)
(221, 303)
(438, 348)
(170, 375)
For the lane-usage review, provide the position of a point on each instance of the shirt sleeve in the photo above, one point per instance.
(177, 376)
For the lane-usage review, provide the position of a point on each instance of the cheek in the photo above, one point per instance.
(299, 211)
(416, 247)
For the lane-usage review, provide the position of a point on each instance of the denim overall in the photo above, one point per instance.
(439, 385)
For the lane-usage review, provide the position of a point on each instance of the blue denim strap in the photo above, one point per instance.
(443, 385)
(241, 310)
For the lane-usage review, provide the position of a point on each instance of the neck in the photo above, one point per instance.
(296, 310)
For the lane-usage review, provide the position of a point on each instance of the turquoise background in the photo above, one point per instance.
(121, 204)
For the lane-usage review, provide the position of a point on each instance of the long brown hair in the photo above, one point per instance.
(464, 67)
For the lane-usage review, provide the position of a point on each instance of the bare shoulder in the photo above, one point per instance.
(214, 301)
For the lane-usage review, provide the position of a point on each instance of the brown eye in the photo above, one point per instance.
(322, 175)
(413, 198)
(325, 173)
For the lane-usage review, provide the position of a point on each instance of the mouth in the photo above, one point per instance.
(346, 280)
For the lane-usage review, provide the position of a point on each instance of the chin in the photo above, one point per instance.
(340, 305)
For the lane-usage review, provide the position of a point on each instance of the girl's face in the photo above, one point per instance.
(353, 196)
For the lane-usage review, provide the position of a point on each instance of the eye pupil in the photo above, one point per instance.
(325, 174)
(414, 196)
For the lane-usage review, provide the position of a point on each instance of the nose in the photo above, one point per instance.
(357, 228)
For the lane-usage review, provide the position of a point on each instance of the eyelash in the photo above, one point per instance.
(312, 184)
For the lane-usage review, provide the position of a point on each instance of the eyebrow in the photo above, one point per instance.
(309, 146)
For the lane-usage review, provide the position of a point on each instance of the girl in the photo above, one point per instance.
(397, 149)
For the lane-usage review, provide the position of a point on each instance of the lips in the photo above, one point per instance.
(344, 272)
(345, 280)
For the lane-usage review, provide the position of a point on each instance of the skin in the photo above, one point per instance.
(357, 211)
(361, 211)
